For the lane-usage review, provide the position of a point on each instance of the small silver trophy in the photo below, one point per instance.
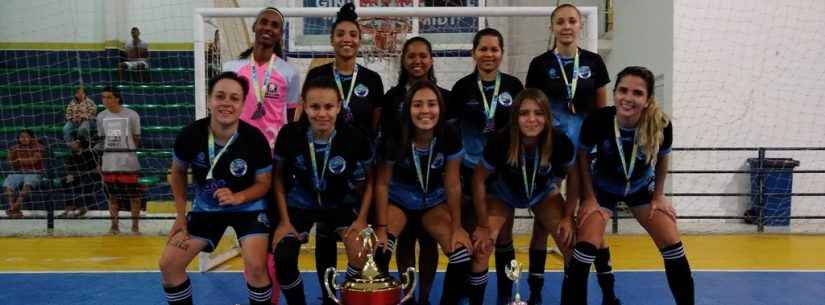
(513, 272)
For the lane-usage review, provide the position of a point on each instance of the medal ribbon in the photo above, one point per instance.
(627, 169)
(213, 159)
(424, 182)
(260, 90)
(529, 188)
(571, 86)
(337, 77)
(490, 109)
(316, 178)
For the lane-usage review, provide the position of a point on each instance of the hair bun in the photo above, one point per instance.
(347, 13)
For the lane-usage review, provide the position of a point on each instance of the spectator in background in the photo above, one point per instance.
(137, 55)
(79, 112)
(81, 177)
(120, 129)
(26, 158)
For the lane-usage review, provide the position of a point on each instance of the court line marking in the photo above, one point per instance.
(491, 271)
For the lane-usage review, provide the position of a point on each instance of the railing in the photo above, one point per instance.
(760, 194)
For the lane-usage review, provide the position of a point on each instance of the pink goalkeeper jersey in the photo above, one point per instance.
(281, 93)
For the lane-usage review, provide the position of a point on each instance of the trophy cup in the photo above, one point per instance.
(370, 286)
(513, 272)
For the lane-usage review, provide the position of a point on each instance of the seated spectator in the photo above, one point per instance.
(79, 112)
(137, 55)
(81, 177)
(26, 158)
(119, 128)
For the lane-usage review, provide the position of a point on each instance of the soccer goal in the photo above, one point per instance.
(448, 25)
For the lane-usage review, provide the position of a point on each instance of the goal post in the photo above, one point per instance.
(454, 25)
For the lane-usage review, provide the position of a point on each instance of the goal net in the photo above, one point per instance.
(449, 25)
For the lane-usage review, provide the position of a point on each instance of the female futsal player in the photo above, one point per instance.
(480, 103)
(416, 65)
(526, 163)
(418, 177)
(632, 142)
(362, 91)
(575, 80)
(231, 167)
(319, 164)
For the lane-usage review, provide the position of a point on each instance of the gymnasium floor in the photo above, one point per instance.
(729, 269)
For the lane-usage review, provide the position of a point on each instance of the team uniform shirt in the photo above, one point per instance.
(545, 74)
(408, 185)
(529, 182)
(339, 167)
(393, 108)
(466, 106)
(598, 133)
(366, 96)
(246, 155)
(279, 92)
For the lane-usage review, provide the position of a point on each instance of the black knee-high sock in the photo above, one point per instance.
(180, 294)
(535, 280)
(575, 292)
(678, 273)
(259, 295)
(604, 273)
(478, 284)
(504, 286)
(292, 285)
(456, 277)
(384, 255)
(326, 255)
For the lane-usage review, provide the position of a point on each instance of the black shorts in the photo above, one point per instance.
(609, 201)
(335, 219)
(210, 226)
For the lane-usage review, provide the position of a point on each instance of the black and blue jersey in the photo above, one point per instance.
(246, 156)
(341, 164)
(607, 172)
(367, 95)
(527, 183)
(406, 188)
(466, 106)
(545, 73)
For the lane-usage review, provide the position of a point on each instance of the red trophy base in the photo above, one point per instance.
(384, 297)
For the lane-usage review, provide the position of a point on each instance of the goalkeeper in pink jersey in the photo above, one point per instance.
(274, 84)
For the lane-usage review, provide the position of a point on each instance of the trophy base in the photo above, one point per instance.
(384, 297)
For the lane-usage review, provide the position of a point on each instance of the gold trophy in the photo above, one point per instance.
(370, 287)
(513, 272)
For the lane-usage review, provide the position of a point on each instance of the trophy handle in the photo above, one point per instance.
(330, 285)
(408, 282)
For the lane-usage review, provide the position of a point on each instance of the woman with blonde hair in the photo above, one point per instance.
(624, 156)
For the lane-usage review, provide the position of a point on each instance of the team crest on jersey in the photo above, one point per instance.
(438, 161)
(238, 167)
(361, 90)
(584, 72)
(337, 165)
(505, 99)
(262, 218)
(552, 73)
(271, 91)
